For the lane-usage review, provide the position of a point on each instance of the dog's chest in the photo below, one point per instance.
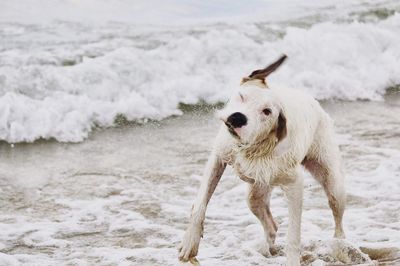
(260, 169)
(274, 171)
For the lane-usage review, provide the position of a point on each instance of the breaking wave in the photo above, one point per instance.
(62, 81)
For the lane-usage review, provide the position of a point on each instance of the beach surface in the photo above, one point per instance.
(123, 197)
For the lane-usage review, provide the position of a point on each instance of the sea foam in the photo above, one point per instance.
(62, 85)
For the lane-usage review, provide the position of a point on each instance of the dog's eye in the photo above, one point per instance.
(267, 111)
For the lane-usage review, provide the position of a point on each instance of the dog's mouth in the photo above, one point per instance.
(231, 130)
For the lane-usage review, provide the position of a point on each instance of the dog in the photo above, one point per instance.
(268, 135)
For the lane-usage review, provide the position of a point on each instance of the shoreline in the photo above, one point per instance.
(120, 121)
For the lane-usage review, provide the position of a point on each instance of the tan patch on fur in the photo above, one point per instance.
(252, 81)
(261, 148)
(258, 201)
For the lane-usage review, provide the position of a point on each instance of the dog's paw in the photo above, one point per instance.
(293, 260)
(265, 251)
(190, 262)
(189, 246)
(339, 234)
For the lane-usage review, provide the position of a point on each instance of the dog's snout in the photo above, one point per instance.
(237, 120)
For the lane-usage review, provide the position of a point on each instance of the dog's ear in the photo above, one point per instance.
(283, 144)
(261, 74)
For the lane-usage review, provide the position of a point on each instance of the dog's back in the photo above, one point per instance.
(306, 120)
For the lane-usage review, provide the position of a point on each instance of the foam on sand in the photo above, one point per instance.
(124, 197)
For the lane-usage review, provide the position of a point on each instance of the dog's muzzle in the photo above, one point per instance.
(237, 120)
(231, 129)
(234, 122)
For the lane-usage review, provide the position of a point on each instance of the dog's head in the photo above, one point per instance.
(254, 114)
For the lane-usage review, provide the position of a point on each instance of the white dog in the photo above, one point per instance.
(267, 136)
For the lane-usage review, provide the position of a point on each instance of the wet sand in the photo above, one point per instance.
(123, 196)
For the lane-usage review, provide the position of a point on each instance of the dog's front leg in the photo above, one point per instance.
(294, 194)
(258, 200)
(191, 240)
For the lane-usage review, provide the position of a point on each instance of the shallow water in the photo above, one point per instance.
(123, 196)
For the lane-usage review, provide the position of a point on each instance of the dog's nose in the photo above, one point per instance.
(237, 120)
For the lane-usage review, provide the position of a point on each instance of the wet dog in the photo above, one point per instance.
(267, 136)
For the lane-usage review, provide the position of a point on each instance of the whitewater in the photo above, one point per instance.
(69, 67)
(107, 120)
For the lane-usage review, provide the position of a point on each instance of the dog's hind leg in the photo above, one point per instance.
(328, 172)
(258, 202)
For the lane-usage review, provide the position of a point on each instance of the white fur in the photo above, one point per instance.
(258, 155)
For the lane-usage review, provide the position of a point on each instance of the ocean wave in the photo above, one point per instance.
(62, 89)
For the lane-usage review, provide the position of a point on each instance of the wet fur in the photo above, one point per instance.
(302, 135)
